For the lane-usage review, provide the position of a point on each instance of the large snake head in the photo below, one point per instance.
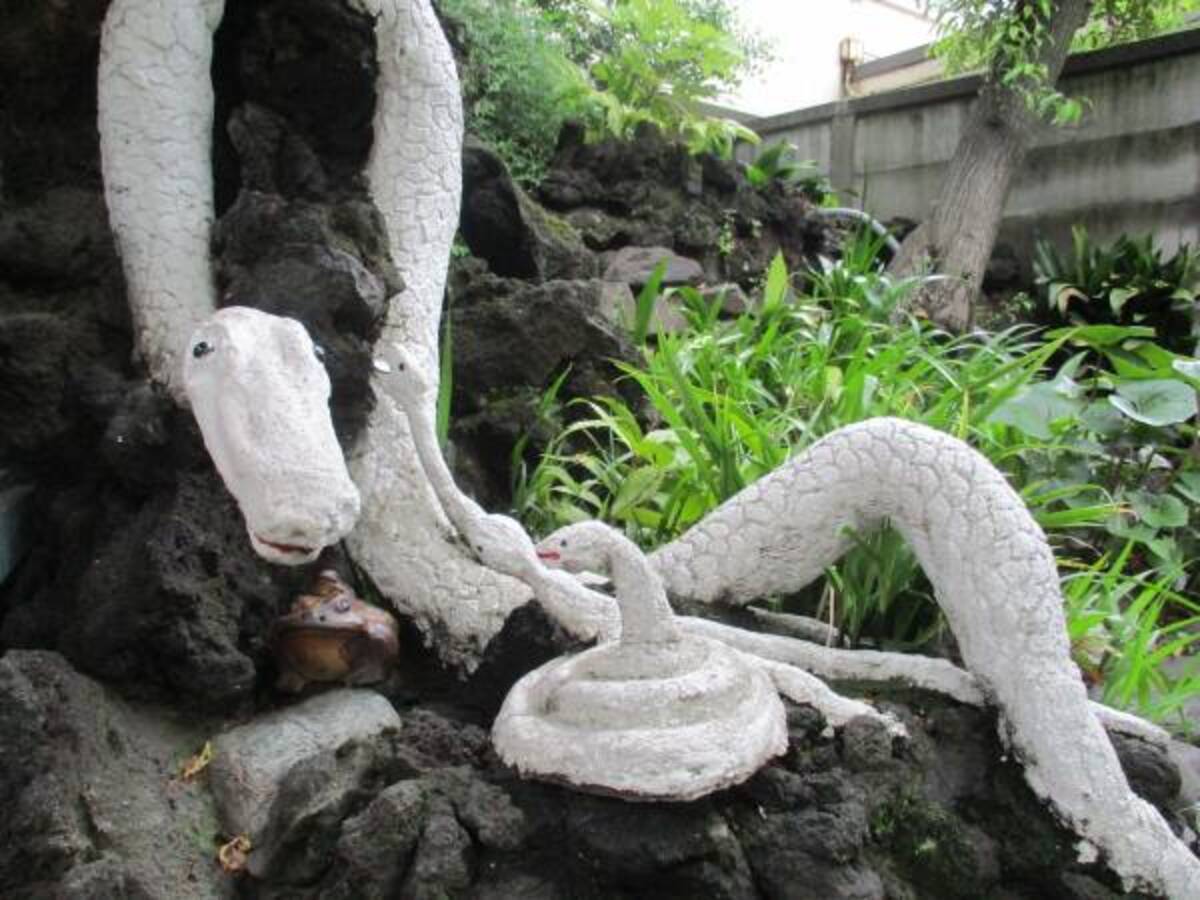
(260, 394)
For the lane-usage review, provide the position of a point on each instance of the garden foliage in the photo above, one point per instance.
(1006, 39)
(530, 65)
(1130, 283)
(1094, 424)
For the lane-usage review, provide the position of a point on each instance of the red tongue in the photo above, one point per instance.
(548, 555)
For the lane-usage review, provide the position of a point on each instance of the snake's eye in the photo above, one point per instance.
(202, 348)
(563, 542)
(319, 353)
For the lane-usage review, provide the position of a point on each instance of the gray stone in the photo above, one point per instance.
(1187, 759)
(635, 265)
(92, 804)
(734, 299)
(251, 762)
(619, 306)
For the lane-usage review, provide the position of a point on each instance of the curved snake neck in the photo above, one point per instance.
(994, 577)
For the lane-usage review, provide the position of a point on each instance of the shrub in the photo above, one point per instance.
(1129, 283)
(518, 86)
(532, 64)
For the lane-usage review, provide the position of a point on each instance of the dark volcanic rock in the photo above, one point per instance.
(376, 846)
(326, 265)
(1150, 770)
(306, 71)
(512, 339)
(649, 192)
(48, 58)
(86, 781)
(517, 237)
(665, 850)
(165, 597)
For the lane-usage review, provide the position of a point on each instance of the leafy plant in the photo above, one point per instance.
(1129, 283)
(1007, 38)
(530, 65)
(1093, 423)
(518, 86)
(1124, 627)
(661, 60)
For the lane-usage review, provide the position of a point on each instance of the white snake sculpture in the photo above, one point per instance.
(986, 557)
(657, 714)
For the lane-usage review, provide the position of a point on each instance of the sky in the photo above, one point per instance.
(807, 33)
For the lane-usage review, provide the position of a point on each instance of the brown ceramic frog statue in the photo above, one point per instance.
(330, 635)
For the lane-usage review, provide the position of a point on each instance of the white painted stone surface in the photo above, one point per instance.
(261, 398)
(656, 715)
(251, 761)
(155, 116)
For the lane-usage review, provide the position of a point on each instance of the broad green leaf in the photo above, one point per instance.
(1156, 402)
(1034, 410)
(637, 487)
(1100, 417)
(1188, 368)
(775, 289)
(1159, 510)
(1188, 484)
(1101, 335)
(1118, 297)
(1062, 294)
(1123, 527)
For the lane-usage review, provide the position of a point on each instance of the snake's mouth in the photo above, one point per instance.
(283, 553)
(549, 555)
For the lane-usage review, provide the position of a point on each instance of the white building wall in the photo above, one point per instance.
(807, 35)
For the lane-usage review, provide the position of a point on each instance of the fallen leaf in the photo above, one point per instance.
(233, 855)
(194, 765)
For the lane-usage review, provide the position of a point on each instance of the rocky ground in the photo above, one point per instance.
(134, 624)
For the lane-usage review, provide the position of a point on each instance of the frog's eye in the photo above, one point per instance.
(342, 605)
(202, 349)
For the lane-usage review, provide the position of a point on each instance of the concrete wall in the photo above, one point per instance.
(900, 70)
(1132, 165)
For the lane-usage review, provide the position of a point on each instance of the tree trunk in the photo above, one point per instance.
(956, 239)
